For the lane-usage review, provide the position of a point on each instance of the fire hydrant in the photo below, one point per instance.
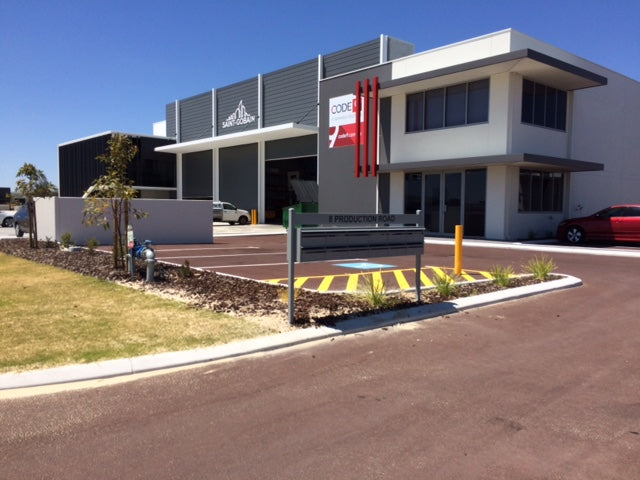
(146, 253)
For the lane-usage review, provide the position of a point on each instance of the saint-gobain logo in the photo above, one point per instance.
(239, 117)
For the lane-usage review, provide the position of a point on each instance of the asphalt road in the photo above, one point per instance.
(543, 388)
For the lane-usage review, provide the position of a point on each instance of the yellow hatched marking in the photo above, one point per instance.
(352, 283)
(402, 281)
(440, 272)
(326, 283)
(426, 281)
(378, 284)
(299, 282)
(486, 275)
(466, 276)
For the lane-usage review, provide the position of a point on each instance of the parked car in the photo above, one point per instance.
(21, 221)
(6, 218)
(228, 212)
(619, 223)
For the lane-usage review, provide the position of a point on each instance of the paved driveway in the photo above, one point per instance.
(545, 387)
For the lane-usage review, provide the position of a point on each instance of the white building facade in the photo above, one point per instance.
(503, 134)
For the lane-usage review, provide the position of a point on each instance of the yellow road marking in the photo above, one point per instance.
(352, 283)
(400, 275)
(402, 281)
(326, 283)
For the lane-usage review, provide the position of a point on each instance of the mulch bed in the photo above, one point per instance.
(223, 293)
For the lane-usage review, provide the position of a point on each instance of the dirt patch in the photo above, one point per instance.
(228, 294)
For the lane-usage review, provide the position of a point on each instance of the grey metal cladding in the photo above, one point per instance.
(196, 117)
(399, 48)
(349, 59)
(228, 106)
(290, 95)
(171, 119)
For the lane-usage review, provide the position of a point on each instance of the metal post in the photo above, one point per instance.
(418, 280)
(291, 253)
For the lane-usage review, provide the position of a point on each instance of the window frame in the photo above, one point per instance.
(437, 103)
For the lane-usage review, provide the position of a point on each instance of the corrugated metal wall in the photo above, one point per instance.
(196, 117)
(230, 100)
(353, 58)
(291, 95)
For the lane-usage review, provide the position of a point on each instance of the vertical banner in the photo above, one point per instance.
(342, 121)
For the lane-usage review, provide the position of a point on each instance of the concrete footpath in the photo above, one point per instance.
(147, 363)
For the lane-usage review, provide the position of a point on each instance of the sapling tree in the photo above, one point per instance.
(108, 202)
(32, 183)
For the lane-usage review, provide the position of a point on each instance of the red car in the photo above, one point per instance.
(616, 223)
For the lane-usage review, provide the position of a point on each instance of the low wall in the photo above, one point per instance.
(167, 221)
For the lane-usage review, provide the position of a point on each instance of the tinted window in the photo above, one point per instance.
(415, 112)
(456, 105)
(435, 108)
(478, 102)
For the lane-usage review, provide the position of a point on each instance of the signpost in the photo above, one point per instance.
(338, 236)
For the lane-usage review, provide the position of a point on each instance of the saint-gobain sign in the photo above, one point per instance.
(342, 121)
(239, 117)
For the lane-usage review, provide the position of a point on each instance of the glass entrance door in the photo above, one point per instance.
(432, 203)
(452, 208)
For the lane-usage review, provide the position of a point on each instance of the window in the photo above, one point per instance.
(456, 105)
(415, 112)
(541, 191)
(543, 106)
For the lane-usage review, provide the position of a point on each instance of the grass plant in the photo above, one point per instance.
(445, 285)
(540, 267)
(51, 317)
(502, 275)
(374, 291)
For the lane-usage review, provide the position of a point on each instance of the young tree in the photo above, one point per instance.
(108, 200)
(33, 183)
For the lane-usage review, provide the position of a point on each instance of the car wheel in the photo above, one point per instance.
(243, 220)
(7, 222)
(19, 232)
(574, 235)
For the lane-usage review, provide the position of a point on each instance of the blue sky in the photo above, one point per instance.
(71, 69)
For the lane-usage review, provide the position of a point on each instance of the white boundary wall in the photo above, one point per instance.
(167, 221)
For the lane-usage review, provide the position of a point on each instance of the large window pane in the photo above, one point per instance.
(475, 193)
(456, 105)
(415, 112)
(478, 102)
(435, 108)
(544, 106)
(541, 191)
(412, 192)
(527, 101)
(561, 110)
(539, 104)
(550, 110)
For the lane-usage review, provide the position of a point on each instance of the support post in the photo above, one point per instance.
(291, 254)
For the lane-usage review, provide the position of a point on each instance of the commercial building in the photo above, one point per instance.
(503, 134)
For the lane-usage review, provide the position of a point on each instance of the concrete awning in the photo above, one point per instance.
(523, 160)
(529, 63)
(277, 132)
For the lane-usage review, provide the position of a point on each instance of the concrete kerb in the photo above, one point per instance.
(146, 363)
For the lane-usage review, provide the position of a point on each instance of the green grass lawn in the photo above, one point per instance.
(51, 317)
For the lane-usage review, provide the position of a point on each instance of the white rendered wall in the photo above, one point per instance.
(168, 221)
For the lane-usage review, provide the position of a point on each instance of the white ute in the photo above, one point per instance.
(228, 212)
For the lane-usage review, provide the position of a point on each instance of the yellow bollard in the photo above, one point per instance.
(254, 217)
(457, 269)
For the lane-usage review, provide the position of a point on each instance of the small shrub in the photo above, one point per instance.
(445, 285)
(49, 243)
(375, 293)
(185, 270)
(65, 240)
(92, 244)
(501, 275)
(540, 267)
